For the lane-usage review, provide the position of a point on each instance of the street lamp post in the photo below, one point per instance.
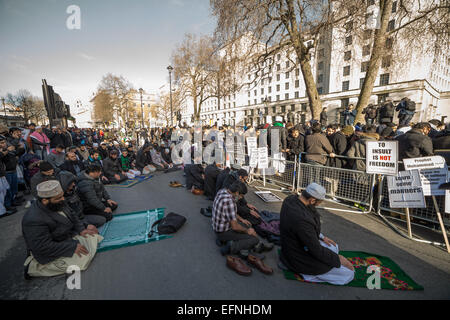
(170, 88)
(142, 110)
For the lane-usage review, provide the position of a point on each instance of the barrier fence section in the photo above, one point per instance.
(428, 214)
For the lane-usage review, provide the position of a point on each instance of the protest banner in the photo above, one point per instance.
(433, 173)
(382, 157)
(405, 190)
(251, 144)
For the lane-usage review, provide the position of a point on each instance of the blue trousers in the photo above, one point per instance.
(13, 188)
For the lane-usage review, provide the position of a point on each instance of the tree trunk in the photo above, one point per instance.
(311, 89)
(375, 60)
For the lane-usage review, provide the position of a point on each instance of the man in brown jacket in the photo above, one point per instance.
(316, 145)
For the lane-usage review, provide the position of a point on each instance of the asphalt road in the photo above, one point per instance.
(189, 265)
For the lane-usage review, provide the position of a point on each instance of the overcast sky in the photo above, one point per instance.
(133, 38)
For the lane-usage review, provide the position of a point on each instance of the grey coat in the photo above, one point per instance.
(48, 234)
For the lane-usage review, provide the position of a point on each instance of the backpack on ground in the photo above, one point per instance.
(169, 224)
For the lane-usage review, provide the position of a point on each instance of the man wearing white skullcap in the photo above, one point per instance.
(304, 249)
(56, 238)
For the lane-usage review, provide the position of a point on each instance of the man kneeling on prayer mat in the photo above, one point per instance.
(55, 238)
(304, 249)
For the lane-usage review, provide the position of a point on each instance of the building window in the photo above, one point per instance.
(320, 78)
(297, 95)
(320, 67)
(367, 34)
(304, 107)
(394, 7)
(283, 109)
(347, 55)
(345, 85)
(278, 97)
(270, 89)
(286, 86)
(270, 80)
(278, 87)
(286, 96)
(278, 77)
(345, 102)
(391, 25)
(249, 77)
(364, 66)
(249, 94)
(287, 75)
(346, 71)
(386, 63)
(389, 43)
(279, 57)
(287, 64)
(274, 109)
(248, 102)
(255, 101)
(349, 26)
(262, 90)
(297, 83)
(366, 50)
(348, 40)
(319, 90)
(255, 92)
(321, 53)
(384, 79)
(297, 72)
(361, 82)
(278, 67)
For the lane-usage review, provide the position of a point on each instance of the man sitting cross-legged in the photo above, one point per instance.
(113, 168)
(304, 250)
(236, 232)
(93, 194)
(55, 238)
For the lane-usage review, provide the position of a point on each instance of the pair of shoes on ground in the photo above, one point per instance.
(175, 184)
(197, 192)
(207, 212)
(243, 269)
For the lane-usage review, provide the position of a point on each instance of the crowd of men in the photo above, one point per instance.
(66, 171)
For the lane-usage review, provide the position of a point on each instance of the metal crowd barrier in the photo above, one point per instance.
(427, 214)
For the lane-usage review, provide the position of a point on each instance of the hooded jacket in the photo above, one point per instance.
(413, 144)
(56, 159)
(72, 199)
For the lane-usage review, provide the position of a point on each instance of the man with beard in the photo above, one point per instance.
(304, 249)
(46, 172)
(72, 164)
(55, 238)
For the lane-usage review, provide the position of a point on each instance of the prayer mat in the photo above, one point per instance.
(130, 182)
(392, 276)
(130, 229)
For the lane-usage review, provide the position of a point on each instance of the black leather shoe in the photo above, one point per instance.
(206, 213)
(25, 273)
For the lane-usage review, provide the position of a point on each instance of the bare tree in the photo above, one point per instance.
(291, 27)
(103, 107)
(196, 70)
(421, 25)
(163, 110)
(120, 92)
(32, 107)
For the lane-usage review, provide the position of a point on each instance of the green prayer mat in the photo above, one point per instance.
(130, 182)
(130, 229)
(392, 276)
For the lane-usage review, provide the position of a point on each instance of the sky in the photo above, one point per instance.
(133, 38)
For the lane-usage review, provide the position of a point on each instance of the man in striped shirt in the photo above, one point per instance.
(228, 225)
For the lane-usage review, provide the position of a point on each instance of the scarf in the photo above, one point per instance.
(41, 137)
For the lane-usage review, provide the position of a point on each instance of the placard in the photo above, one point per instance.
(279, 162)
(254, 158)
(251, 144)
(263, 158)
(447, 201)
(405, 190)
(433, 173)
(382, 157)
